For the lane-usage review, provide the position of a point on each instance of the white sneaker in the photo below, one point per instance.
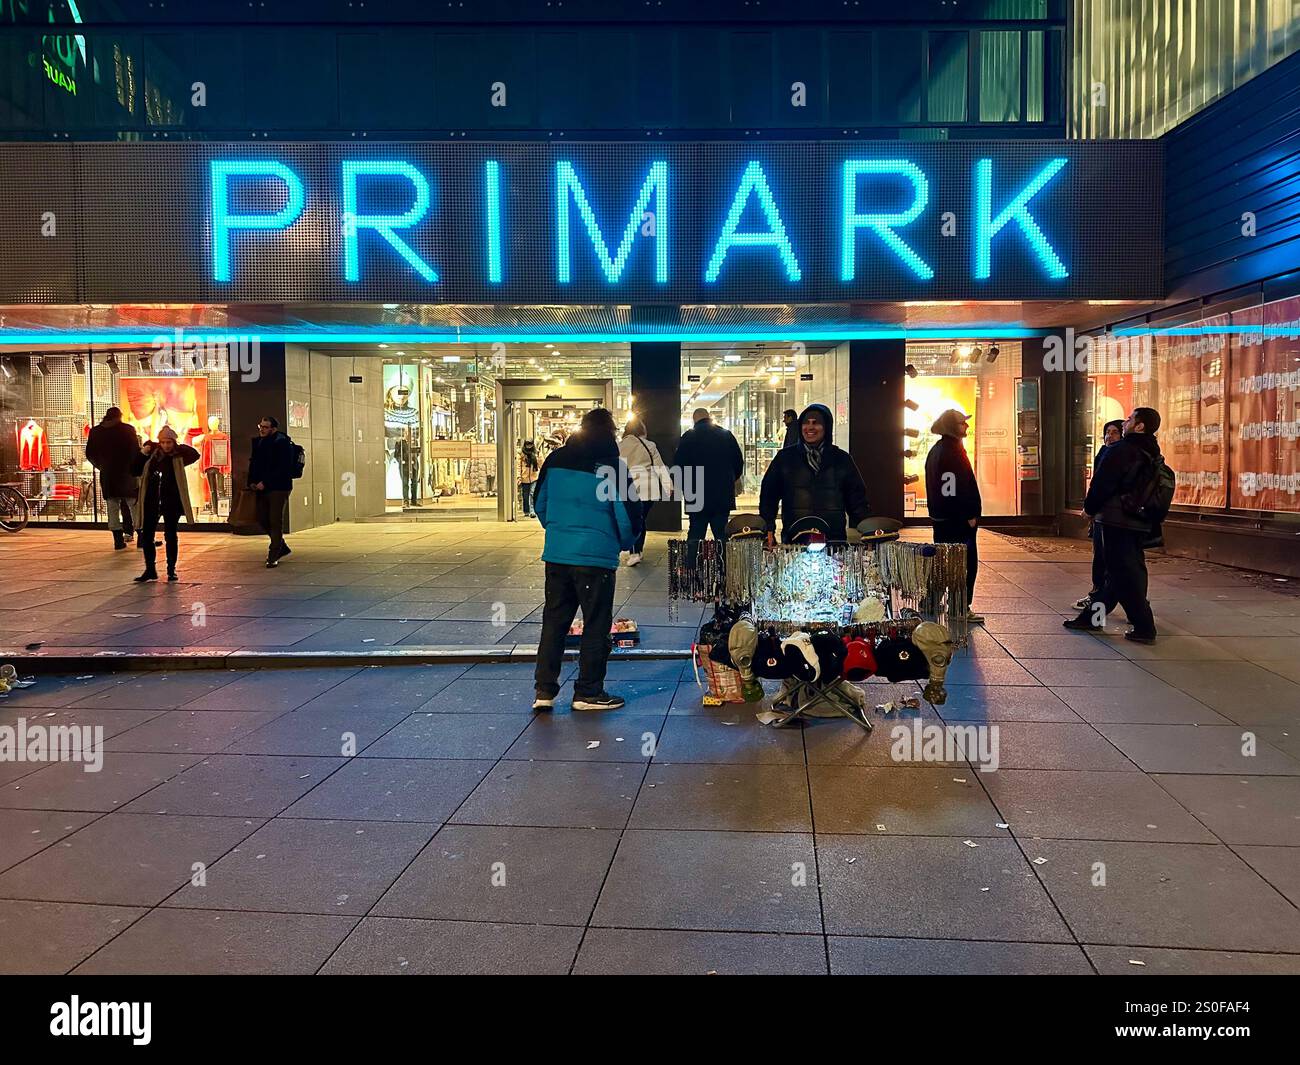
(634, 559)
(543, 702)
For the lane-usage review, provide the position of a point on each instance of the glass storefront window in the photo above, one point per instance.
(960, 375)
(1228, 405)
(749, 387)
(50, 402)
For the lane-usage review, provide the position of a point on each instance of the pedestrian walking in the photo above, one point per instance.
(588, 519)
(1129, 496)
(272, 467)
(649, 474)
(708, 464)
(112, 448)
(953, 496)
(164, 495)
(529, 468)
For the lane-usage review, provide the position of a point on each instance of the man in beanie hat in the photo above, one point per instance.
(953, 494)
(814, 479)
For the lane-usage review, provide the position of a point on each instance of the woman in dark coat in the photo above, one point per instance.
(111, 448)
(165, 495)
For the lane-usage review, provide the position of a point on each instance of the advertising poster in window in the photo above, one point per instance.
(1265, 400)
(149, 403)
(1192, 399)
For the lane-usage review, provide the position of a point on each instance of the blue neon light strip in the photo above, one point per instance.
(352, 334)
(754, 183)
(359, 335)
(493, 182)
(882, 224)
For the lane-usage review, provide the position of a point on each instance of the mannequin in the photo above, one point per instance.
(214, 460)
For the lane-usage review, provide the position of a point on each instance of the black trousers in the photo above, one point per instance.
(411, 484)
(959, 531)
(1098, 559)
(171, 536)
(270, 516)
(526, 496)
(703, 520)
(1126, 576)
(569, 588)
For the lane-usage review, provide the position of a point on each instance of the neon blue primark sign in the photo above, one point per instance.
(678, 223)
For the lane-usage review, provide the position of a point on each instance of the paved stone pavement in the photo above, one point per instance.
(1151, 796)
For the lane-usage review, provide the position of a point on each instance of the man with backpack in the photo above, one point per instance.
(275, 463)
(1128, 498)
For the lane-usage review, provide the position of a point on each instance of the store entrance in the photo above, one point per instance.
(546, 412)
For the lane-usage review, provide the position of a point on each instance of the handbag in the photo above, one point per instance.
(244, 512)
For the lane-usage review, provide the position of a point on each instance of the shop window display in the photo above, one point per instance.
(979, 379)
(1228, 402)
(49, 402)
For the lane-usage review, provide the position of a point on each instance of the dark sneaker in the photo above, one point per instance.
(1140, 637)
(171, 575)
(603, 701)
(544, 702)
(284, 551)
(271, 563)
(147, 575)
(1082, 623)
(1083, 603)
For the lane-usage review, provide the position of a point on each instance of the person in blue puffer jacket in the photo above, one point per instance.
(586, 503)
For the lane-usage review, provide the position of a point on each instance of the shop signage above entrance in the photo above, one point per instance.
(789, 222)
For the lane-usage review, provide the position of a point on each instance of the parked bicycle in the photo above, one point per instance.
(14, 512)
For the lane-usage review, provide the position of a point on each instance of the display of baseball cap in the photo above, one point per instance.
(878, 529)
(869, 611)
(859, 658)
(745, 527)
(900, 659)
(800, 657)
(769, 658)
(830, 654)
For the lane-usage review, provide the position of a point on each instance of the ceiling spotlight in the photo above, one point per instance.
(112, 365)
(993, 353)
(976, 352)
(955, 354)
(731, 357)
(911, 404)
(142, 360)
(909, 454)
(6, 368)
(910, 370)
(79, 365)
(911, 478)
(43, 366)
(914, 433)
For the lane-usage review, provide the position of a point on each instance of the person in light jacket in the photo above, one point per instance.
(164, 495)
(646, 468)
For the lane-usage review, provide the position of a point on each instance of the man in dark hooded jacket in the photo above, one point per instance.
(111, 448)
(1125, 468)
(708, 464)
(952, 495)
(813, 478)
